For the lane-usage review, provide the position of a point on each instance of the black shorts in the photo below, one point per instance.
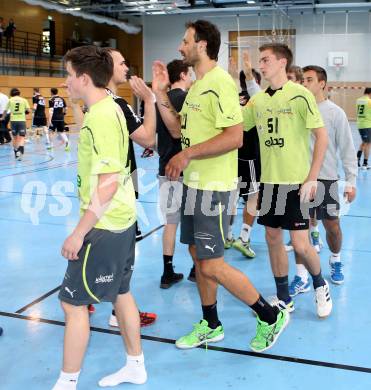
(39, 122)
(205, 217)
(279, 206)
(249, 174)
(18, 128)
(326, 202)
(57, 126)
(365, 135)
(103, 270)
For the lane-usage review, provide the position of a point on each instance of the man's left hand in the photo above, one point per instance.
(308, 190)
(349, 194)
(176, 165)
(72, 246)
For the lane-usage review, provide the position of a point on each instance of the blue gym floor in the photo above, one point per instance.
(39, 208)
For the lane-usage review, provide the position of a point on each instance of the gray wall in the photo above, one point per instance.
(316, 35)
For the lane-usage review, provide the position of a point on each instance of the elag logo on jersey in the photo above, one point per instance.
(275, 142)
(285, 111)
(194, 106)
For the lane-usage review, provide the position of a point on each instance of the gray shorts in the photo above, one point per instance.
(205, 217)
(327, 200)
(104, 268)
(365, 135)
(170, 199)
(18, 128)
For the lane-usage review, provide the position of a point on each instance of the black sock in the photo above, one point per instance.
(365, 161)
(359, 154)
(265, 311)
(282, 285)
(210, 314)
(168, 265)
(21, 149)
(15, 151)
(318, 280)
(113, 313)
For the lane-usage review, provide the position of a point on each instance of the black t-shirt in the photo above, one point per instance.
(250, 148)
(40, 106)
(133, 122)
(58, 105)
(167, 145)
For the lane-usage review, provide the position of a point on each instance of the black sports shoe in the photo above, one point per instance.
(192, 275)
(168, 280)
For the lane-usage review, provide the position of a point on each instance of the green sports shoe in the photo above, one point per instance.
(201, 334)
(228, 243)
(67, 148)
(267, 335)
(244, 248)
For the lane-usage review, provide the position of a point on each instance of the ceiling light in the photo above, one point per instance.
(250, 2)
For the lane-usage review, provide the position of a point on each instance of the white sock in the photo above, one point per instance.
(133, 372)
(313, 229)
(64, 137)
(302, 272)
(47, 136)
(335, 257)
(230, 233)
(67, 381)
(245, 232)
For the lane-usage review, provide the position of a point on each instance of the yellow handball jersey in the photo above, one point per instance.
(103, 148)
(211, 104)
(17, 106)
(364, 112)
(284, 119)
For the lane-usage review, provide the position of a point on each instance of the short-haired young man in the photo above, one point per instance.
(170, 194)
(364, 126)
(57, 111)
(19, 108)
(39, 116)
(327, 200)
(285, 114)
(143, 134)
(211, 132)
(101, 248)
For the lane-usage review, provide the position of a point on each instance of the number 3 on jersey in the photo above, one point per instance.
(361, 110)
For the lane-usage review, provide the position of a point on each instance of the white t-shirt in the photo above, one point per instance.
(340, 143)
(3, 102)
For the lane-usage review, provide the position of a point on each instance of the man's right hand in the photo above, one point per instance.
(160, 77)
(247, 67)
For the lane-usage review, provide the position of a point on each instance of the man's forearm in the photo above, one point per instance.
(100, 201)
(168, 114)
(149, 122)
(216, 146)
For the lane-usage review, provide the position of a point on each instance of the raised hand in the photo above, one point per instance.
(160, 77)
(246, 64)
(140, 89)
(233, 68)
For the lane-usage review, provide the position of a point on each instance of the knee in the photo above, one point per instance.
(70, 310)
(207, 268)
(333, 227)
(301, 248)
(273, 238)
